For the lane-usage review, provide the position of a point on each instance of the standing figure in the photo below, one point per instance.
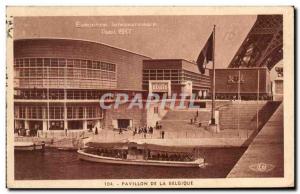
(163, 134)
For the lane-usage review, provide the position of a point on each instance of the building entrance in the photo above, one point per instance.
(123, 123)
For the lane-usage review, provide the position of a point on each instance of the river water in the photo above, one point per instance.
(55, 164)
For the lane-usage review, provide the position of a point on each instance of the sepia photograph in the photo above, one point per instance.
(150, 97)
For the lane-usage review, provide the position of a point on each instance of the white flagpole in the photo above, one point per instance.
(238, 97)
(214, 80)
(257, 99)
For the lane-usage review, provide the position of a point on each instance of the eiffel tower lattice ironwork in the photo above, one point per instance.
(263, 44)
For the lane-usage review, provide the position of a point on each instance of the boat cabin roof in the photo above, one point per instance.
(143, 146)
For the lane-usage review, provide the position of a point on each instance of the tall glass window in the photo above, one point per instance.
(62, 73)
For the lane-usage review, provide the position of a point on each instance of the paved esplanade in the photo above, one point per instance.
(264, 156)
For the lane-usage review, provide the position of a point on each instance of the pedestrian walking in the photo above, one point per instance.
(96, 131)
(66, 132)
(163, 134)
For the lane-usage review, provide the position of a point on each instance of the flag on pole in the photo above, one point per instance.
(206, 54)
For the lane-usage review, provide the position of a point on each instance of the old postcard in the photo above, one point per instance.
(150, 97)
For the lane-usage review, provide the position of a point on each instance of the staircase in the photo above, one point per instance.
(238, 116)
(244, 115)
(178, 121)
(236, 119)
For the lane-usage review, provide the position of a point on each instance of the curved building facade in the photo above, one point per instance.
(58, 82)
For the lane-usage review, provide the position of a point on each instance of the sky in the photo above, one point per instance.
(179, 37)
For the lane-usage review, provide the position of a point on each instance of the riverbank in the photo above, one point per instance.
(72, 142)
(264, 156)
(60, 142)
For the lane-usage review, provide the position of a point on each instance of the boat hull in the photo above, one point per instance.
(25, 146)
(101, 159)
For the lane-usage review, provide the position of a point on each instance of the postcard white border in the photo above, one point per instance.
(288, 61)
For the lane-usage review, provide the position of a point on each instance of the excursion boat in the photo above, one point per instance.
(28, 146)
(132, 153)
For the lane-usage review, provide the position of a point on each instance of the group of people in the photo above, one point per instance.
(26, 132)
(148, 130)
(157, 125)
(149, 155)
(93, 131)
(171, 157)
(143, 130)
(114, 153)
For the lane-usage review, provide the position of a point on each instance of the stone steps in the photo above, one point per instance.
(239, 116)
(178, 120)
